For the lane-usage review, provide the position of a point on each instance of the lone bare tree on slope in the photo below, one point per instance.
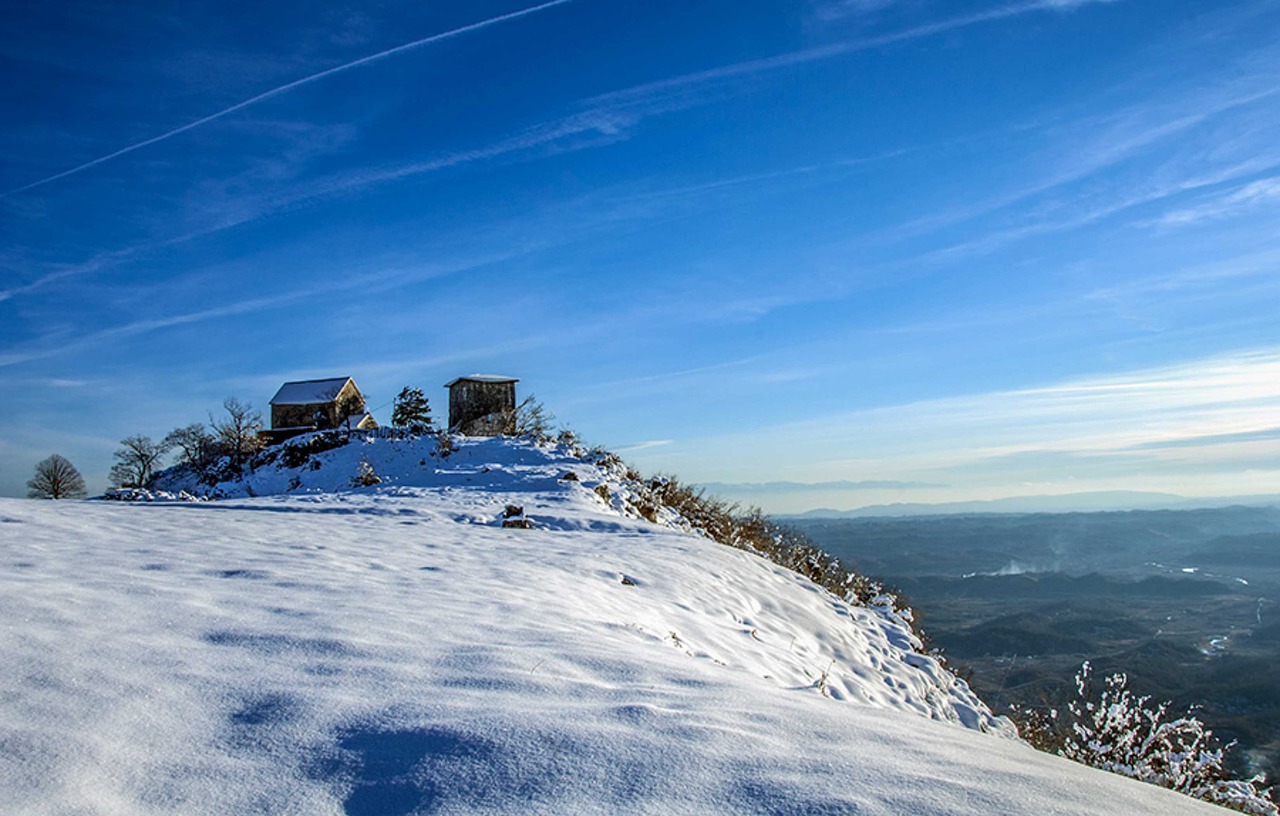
(56, 478)
(136, 461)
(196, 446)
(238, 433)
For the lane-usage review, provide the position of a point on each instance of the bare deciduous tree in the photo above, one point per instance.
(195, 444)
(237, 433)
(136, 461)
(56, 478)
(529, 418)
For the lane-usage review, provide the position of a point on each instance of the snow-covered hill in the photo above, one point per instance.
(393, 649)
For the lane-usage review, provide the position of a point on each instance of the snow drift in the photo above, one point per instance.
(394, 649)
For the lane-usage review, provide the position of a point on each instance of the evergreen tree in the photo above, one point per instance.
(411, 411)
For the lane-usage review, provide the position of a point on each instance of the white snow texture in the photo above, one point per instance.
(394, 650)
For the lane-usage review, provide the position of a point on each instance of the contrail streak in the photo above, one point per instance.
(839, 49)
(288, 87)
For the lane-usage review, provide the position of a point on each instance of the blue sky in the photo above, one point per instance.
(929, 251)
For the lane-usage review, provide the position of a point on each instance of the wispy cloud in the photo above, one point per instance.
(1077, 213)
(1093, 145)
(601, 120)
(274, 185)
(822, 172)
(606, 126)
(283, 89)
(1068, 5)
(389, 278)
(608, 118)
(45, 349)
(1110, 427)
(1261, 191)
(59, 272)
(674, 91)
(1241, 437)
(840, 9)
(1204, 277)
(646, 445)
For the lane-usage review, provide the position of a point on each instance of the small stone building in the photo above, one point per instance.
(316, 405)
(482, 404)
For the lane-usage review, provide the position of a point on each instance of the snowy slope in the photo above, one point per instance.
(394, 650)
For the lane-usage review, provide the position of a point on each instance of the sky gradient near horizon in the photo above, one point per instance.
(928, 251)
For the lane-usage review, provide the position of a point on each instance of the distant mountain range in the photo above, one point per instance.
(1064, 503)
(841, 484)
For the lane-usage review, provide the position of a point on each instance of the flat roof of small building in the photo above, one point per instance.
(482, 378)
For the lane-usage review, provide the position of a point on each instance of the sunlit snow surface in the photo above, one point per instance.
(394, 650)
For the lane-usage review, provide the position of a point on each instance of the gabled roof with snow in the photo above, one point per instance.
(482, 378)
(309, 392)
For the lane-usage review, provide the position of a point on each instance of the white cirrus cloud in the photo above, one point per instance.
(1260, 191)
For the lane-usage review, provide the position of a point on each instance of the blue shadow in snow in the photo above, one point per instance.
(396, 773)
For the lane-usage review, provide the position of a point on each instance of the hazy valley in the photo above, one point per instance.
(1184, 601)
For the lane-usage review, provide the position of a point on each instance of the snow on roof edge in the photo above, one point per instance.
(307, 392)
(482, 378)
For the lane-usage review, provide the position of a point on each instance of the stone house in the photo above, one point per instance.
(315, 405)
(482, 404)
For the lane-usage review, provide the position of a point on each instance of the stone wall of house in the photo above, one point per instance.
(482, 408)
(348, 402)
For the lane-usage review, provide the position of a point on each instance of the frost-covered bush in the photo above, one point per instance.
(138, 494)
(365, 476)
(444, 444)
(1113, 729)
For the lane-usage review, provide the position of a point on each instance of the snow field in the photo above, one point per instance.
(393, 650)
